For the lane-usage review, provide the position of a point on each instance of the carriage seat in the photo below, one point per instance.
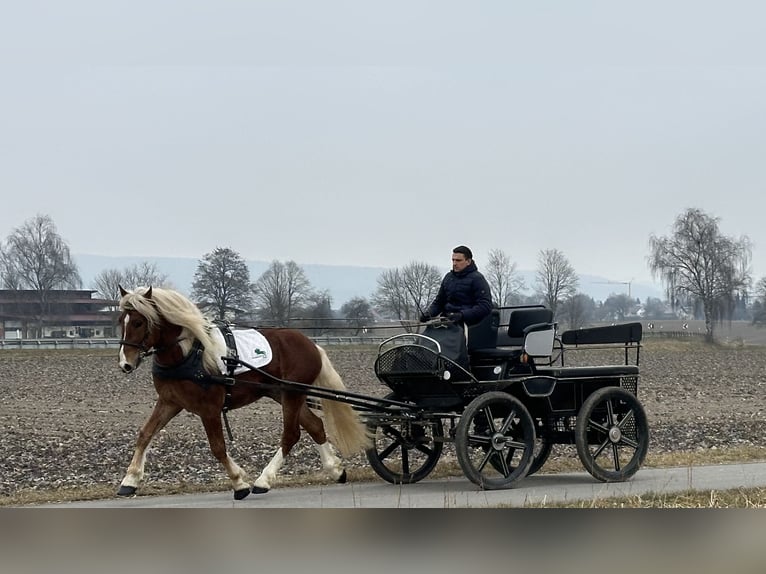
(521, 323)
(483, 335)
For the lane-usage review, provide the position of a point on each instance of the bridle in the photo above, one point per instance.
(144, 351)
(147, 351)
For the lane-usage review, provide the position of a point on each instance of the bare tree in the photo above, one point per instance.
(556, 279)
(222, 284)
(280, 291)
(34, 256)
(391, 297)
(578, 310)
(108, 282)
(759, 305)
(760, 289)
(700, 263)
(405, 293)
(145, 274)
(421, 282)
(317, 314)
(504, 282)
(358, 313)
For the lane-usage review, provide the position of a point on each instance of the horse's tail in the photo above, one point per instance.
(345, 427)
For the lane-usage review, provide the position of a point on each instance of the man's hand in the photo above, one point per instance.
(455, 317)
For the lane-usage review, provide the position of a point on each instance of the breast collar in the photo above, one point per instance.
(190, 368)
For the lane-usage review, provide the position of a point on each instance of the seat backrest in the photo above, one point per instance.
(483, 335)
(519, 320)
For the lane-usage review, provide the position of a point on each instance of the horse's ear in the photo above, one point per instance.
(148, 293)
(122, 291)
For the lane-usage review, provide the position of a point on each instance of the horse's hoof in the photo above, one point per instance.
(126, 491)
(260, 490)
(343, 477)
(241, 493)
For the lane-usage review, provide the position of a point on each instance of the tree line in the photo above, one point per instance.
(705, 273)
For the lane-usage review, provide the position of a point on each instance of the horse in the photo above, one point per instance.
(164, 324)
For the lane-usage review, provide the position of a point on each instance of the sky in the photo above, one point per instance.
(381, 133)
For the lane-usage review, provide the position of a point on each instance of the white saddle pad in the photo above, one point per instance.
(252, 347)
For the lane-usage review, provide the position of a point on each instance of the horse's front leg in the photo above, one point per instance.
(214, 430)
(162, 413)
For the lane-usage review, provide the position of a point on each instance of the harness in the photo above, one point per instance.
(192, 368)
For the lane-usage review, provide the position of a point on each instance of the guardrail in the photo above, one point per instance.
(115, 343)
(320, 340)
(59, 343)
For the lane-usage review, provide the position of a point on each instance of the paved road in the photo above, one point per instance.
(459, 492)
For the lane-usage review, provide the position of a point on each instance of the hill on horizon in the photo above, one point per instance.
(344, 282)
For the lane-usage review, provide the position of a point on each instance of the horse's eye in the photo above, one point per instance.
(136, 323)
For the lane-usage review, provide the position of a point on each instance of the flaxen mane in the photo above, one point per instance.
(177, 309)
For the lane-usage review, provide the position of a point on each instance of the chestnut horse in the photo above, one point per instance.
(165, 324)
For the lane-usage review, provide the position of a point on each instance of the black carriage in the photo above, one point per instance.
(507, 399)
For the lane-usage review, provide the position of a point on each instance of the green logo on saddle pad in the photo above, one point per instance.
(257, 352)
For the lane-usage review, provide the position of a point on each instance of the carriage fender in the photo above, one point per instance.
(539, 386)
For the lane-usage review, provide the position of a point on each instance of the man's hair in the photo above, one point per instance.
(464, 250)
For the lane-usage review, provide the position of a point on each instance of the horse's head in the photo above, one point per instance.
(140, 333)
(164, 323)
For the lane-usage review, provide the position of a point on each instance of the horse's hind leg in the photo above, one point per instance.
(331, 464)
(162, 413)
(315, 428)
(291, 432)
(214, 431)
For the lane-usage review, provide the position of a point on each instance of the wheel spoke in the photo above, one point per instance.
(490, 419)
(601, 448)
(515, 445)
(393, 433)
(504, 464)
(610, 413)
(508, 422)
(629, 442)
(426, 450)
(383, 455)
(616, 455)
(405, 462)
(598, 426)
(629, 417)
(489, 454)
(479, 439)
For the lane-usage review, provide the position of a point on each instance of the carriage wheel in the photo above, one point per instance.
(612, 434)
(405, 451)
(495, 440)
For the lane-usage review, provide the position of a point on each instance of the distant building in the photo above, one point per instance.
(67, 314)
